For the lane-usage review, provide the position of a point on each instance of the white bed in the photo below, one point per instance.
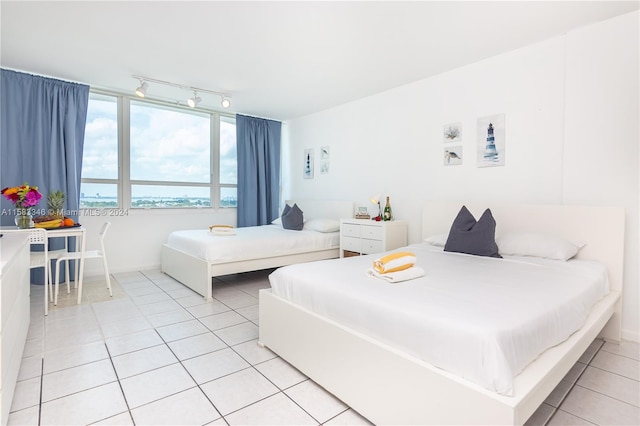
(389, 383)
(194, 257)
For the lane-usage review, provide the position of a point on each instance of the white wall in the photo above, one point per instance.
(133, 241)
(571, 107)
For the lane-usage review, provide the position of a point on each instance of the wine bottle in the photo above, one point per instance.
(386, 215)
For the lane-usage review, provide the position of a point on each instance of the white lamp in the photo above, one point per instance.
(194, 101)
(376, 200)
(226, 103)
(142, 90)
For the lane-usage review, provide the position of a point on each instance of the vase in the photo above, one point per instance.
(23, 219)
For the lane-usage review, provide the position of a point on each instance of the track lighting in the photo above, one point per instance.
(192, 102)
(142, 90)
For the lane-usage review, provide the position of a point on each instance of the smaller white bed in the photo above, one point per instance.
(194, 257)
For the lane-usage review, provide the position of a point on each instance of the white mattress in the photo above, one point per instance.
(253, 242)
(483, 319)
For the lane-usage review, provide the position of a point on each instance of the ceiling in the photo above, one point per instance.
(278, 60)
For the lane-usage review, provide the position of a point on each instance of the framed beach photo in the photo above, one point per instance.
(324, 152)
(453, 155)
(452, 132)
(307, 166)
(491, 141)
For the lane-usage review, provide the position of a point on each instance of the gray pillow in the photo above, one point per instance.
(292, 218)
(473, 237)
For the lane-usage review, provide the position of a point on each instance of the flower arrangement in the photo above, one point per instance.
(22, 196)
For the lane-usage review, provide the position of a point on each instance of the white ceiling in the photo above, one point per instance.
(279, 60)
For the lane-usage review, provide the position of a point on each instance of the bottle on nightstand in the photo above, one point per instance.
(386, 215)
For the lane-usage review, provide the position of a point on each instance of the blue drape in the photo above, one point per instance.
(258, 147)
(42, 122)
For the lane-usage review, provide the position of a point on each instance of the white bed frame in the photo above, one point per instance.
(197, 273)
(388, 386)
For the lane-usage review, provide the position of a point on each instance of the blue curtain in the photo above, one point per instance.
(258, 147)
(42, 122)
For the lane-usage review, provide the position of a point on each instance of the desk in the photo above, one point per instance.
(75, 232)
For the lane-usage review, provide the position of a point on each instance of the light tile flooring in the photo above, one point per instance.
(156, 353)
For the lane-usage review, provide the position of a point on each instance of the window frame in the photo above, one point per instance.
(124, 182)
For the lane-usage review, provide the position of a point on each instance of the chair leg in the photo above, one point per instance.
(55, 298)
(46, 286)
(48, 280)
(106, 275)
(66, 271)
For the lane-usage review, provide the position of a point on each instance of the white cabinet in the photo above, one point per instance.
(14, 313)
(364, 236)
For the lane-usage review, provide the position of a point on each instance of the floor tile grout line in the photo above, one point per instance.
(620, 355)
(607, 396)
(614, 373)
(40, 397)
(194, 380)
(575, 415)
(124, 396)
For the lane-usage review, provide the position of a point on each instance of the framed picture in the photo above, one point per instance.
(308, 163)
(491, 141)
(452, 132)
(324, 167)
(453, 155)
(324, 153)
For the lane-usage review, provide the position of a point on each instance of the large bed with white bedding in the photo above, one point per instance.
(194, 257)
(476, 340)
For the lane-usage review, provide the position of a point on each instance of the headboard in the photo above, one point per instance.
(324, 209)
(601, 228)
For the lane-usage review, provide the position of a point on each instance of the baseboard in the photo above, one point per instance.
(631, 336)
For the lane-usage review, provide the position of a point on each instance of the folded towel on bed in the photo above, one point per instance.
(222, 230)
(396, 277)
(394, 262)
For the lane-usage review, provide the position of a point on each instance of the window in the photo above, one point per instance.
(228, 163)
(99, 185)
(175, 157)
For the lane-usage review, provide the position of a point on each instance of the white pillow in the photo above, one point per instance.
(438, 240)
(322, 225)
(276, 221)
(537, 245)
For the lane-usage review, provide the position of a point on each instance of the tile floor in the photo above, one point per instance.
(156, 353)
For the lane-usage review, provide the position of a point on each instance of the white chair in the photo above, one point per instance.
(82, 256)
(41, 259)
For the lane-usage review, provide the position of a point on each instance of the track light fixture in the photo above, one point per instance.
(142, 89)
(192, 102)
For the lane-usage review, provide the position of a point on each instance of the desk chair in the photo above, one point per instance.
(82, 256)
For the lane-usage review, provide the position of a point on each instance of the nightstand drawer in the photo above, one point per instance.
(351, 244)
(371, 246)
(349, 230)
(371, 232)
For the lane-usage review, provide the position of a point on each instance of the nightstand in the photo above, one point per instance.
(365, 236)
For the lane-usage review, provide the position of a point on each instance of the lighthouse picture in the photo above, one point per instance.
(491, 141)
(308, 164)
